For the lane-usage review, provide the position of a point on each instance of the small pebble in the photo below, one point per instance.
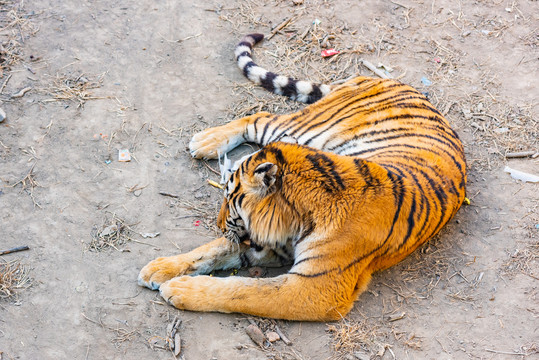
(272, 336)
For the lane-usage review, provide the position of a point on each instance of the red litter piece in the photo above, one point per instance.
(329, 52)
(197, 223)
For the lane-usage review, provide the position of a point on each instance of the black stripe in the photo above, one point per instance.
(442, 197)
(272, 214)
(411, 223)
(314, 95)
(290, 89)
(244, 53)
(246, 163)
(308, 258)
(312, 275)
(236, 189)
(338, 101)
(398, 192)
(278, 126)
(279, 157)
(246, 68)
(240, 200)
(425, 202)
(364, 171)
(326, 167)
(310, 225)
(402, 99)
(431, 137)
(267, 82)
(266, 127)
(261, 169)
(244, 43)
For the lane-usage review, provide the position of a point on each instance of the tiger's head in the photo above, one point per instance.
(254, 207)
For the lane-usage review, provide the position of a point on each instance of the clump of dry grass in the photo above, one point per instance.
(14, 27)
(113, 233)
(121, 334)
(13, 276)
(351, 336)
(74, 88)
(524, 261)
(240, 14)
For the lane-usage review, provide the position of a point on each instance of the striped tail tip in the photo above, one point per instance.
(254, 38)
(303, 91)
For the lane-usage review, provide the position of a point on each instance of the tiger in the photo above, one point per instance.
(349, 185)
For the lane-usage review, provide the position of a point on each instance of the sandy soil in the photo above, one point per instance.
(107, 75)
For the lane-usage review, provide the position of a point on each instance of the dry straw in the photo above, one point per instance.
(14, 276)
(113, 233)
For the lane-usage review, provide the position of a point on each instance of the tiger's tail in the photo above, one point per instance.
(299, 90)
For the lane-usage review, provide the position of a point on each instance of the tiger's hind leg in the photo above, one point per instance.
(215, 141)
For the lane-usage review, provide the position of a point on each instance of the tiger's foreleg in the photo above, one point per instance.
(220, 254)
(288, 296)
(208, 144)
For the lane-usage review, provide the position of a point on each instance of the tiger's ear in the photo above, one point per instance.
(264, 176)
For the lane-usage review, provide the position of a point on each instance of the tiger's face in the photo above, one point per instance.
(229, 220)
(246, 187)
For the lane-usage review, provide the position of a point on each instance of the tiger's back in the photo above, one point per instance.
(349, 185)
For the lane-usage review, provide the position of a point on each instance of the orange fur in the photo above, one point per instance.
(375, 173)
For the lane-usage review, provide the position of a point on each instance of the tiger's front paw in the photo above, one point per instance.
(187, 292)
(212, 142)
(162, 269)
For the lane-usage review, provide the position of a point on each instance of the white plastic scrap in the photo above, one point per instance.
(520, 175)
(227, 169)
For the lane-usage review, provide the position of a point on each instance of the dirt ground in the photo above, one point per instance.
(109, 75)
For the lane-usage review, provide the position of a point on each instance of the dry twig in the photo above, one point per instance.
(13, 250)
(28, 184)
